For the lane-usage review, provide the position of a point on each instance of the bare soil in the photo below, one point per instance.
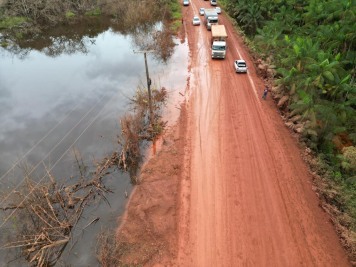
(229, 186)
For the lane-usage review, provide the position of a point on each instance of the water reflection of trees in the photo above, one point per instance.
(54, 46)
(147, 29)
(157, 39)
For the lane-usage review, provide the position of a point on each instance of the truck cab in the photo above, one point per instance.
(211, 17)
(211, 21)
(218, 49)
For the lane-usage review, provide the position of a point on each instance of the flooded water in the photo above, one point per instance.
(68, 97)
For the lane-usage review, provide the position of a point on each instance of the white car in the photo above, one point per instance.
(202, 11)
(185, 2)
(218, 10)
(240, 66)
(196, 20)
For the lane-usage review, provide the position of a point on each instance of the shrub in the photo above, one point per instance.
(70, 14)
(94, 12)
(12, 22)
(349, 158)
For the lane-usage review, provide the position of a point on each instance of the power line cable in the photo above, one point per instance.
(54, 147)
(39, 182)
(38, 142)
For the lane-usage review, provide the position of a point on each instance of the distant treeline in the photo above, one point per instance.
(46, 13)
(24, 23)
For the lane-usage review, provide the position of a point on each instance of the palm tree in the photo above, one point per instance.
(250, 15)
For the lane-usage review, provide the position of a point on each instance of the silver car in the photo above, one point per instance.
(240, 66)
(196, 20)
(218, 10)
(202, 11)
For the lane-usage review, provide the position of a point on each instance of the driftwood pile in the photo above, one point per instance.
(48, 212)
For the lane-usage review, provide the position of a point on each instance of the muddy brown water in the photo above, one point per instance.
(70, 95)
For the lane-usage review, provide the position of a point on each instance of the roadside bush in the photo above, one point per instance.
(12, 22)
(50, 12)
(93, 12)
(175, 9)
(349, 159)
(70, 14)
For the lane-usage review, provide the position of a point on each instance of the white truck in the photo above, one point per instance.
(218, 40)
(211, 17)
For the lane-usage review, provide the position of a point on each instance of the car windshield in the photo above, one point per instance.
(213, 21)
(219, 47)
(241, 65)
(196, 19)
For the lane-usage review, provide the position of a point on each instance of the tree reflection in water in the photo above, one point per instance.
(70, 39)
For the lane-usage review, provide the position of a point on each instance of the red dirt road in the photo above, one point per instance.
(247, 199)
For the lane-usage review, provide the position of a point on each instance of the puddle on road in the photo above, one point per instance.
(53, 102)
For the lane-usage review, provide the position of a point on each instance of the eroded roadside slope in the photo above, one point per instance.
(148, 234)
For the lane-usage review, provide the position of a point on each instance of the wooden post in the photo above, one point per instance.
(149, 92)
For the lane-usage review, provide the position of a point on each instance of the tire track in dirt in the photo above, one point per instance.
(250, 200)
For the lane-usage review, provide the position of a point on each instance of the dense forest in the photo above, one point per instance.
(311, 44)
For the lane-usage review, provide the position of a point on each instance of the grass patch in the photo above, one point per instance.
(176, 25)
(222, 3)
(19, 35)
(4, 44)
(337, 194)
(94, 12)
(176, 15)
(12, 22)
(69, 14)
(338, 184)
(176, 10)
(114, 252)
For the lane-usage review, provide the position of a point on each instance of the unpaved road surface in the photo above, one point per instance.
(248, 200)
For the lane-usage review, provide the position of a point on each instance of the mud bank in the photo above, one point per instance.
(148, 233)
